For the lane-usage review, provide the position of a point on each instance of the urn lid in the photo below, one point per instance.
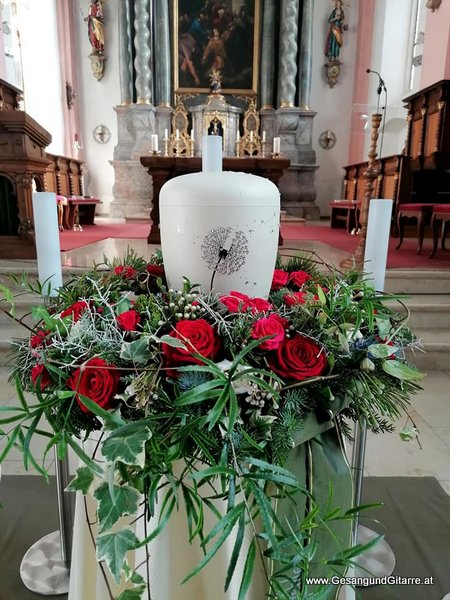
(215, 188)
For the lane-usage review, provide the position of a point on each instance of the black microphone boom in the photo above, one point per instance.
(381, 84)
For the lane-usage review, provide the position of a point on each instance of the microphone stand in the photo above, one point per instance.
(380, 560)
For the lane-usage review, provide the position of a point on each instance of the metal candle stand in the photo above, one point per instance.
(45, 567)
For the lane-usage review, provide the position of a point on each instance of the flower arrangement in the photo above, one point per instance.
(225, 386)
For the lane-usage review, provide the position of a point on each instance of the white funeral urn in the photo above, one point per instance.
(220, 230)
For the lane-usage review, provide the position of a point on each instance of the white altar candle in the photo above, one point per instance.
(251, 135)
(192, 135)
(48, 250)
(264, 136)
(377, 241)
(276, 145)
(154, 142)
(238, 136)
(211, 153)
(177, 134)
(166, 134)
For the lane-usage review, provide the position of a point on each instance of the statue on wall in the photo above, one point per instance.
(96, 34)
(334, 41)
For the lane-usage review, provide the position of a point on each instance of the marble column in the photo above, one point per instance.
(162, 51)
(305, 58)
(287, 70)
(267, 55)
(143, 52)
(125, 54)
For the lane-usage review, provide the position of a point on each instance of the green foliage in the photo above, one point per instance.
(210, 430)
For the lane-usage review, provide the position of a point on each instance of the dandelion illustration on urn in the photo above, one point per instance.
(220, 229)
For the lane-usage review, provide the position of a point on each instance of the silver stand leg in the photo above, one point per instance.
(45, 568)
(379, 561)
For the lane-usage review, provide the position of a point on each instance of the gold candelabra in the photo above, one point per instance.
(357, 259)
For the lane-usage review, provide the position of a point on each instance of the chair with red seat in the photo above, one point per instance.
(440, 215)
(420, 212)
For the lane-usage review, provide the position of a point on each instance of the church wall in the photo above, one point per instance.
(333, 105)
(436, 56)
(41, 68)
(96, 101)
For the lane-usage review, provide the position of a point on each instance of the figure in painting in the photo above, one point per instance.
(215, 51)
(335, 33)
(95, 26)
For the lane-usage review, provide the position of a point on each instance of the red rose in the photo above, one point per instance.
(272, 325)
(128, 320)
(75, 310)
(96, 380)
(40, 371)
(155, 270)
(125, 271)
(299, 278)
(295, 298)
(198, 336)
(298, 358)
(39, 338)
(235, 301)
(280, 279)
(257, 305)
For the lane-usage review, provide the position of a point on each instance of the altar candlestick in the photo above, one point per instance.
(263, 136)
(154, 142)
(276, 145)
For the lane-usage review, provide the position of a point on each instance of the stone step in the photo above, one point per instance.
(436, 350)
(417, 281)
(426, 310)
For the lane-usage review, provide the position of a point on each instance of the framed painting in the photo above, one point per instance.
(216, 36)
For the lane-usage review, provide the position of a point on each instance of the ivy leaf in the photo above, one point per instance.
(112, 548)
(127, 444)
(136, 351)
(132, 594)
(401, 371)
(124, 500)
(82, 482)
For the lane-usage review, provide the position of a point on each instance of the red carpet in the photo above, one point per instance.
(406, 257)
(94, 233)
(338, 238)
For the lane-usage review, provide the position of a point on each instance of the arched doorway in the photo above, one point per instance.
(9, 214)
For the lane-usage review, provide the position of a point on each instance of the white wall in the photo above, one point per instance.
(42, 88)
(96, 100)
(333, 105)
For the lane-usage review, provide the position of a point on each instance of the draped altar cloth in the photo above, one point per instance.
(317, 459)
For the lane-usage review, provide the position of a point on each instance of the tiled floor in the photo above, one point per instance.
(386, 455)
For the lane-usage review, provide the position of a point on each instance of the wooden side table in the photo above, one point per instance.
(440, 216)
(420, 212)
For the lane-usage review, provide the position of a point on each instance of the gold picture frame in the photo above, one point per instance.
(221, 35)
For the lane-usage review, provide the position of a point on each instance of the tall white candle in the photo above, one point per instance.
(264, 136)
(48, 250)
(238, 136)
(211, 153)
(276, 145)
(154, 142)
(177, 134)
(166, 134)
(377, 241)
(192, 135)
(251, 135)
